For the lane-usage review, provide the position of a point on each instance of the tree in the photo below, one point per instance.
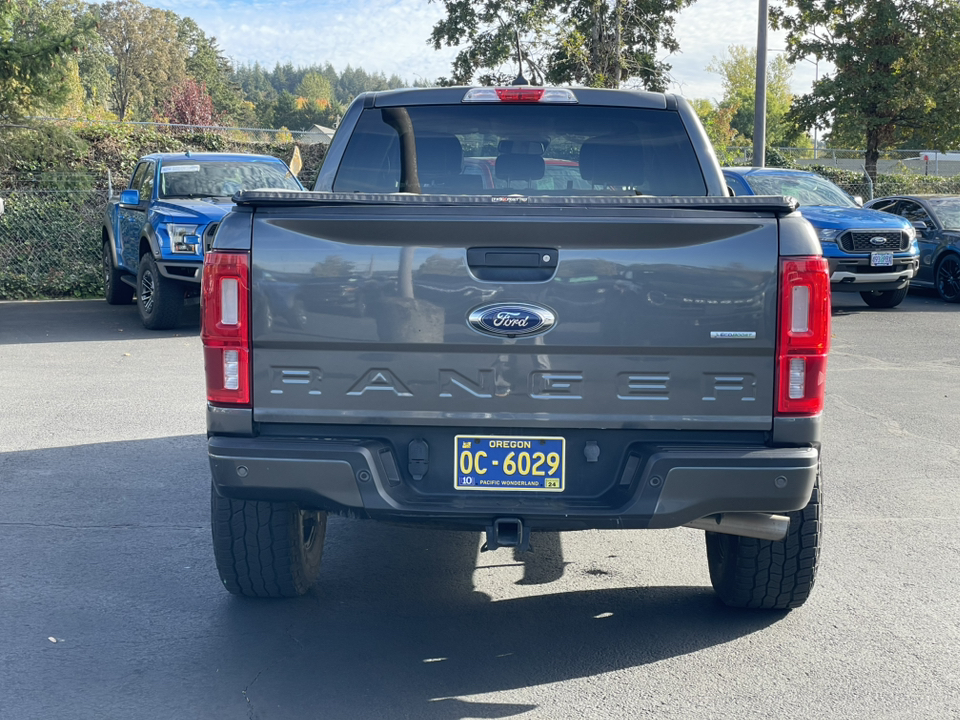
(35, 47)
(206, 64)
(738, 69)
(190, 104)
(316, 87)
(603, 43)
(717, 122)
(145, 58)
(895, 74)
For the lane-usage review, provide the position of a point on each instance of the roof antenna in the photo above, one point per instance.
(520, 80)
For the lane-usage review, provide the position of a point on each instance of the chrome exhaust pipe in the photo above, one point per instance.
(752, 525)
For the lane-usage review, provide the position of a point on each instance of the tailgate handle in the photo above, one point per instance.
(512, 264)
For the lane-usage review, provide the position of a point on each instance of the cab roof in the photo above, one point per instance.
(406, 97)
(209, 157)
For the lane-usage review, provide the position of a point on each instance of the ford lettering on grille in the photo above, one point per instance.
(511, 320)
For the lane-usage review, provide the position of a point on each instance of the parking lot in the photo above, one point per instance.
(110, 605)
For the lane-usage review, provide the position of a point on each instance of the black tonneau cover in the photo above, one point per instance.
(778, 205)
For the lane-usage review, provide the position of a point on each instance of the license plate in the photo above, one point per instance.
(884, 259)
(509, 462)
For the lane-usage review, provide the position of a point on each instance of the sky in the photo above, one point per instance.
(390, 36)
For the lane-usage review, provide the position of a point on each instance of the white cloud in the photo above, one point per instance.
(390, 36)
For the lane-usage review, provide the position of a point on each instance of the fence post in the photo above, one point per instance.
(869, 180)
(109, 185)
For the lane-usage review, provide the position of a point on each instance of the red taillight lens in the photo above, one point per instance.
(803, 335)
(519, 94)
(225, 327)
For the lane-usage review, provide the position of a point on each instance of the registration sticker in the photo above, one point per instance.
(881, 259)
(509, 462)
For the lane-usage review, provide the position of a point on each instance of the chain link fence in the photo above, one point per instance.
(50, 235)
(50, 232)
(317, 134)
(891, 162)
(898, 171)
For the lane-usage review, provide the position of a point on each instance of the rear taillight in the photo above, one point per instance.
(803, 336)
(225, 327)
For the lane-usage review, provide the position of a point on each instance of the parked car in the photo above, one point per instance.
(936, 219)
(155, 234)
(868, 252)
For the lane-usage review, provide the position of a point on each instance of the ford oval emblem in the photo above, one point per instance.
(878, 240)
(512, 319)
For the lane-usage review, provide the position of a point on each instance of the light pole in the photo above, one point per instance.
(760, 97)
(816, 78)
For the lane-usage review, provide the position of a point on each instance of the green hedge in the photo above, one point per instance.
(97, 148)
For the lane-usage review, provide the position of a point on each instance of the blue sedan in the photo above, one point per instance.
(936, 219)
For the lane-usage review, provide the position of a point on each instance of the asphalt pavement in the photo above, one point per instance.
(110, 605)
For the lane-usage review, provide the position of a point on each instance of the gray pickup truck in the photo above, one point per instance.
(512, 310)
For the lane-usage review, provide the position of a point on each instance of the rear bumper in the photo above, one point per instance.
(654, 487)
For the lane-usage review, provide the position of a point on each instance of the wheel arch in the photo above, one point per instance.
(944, 254)
(149, 241)
(106, 237)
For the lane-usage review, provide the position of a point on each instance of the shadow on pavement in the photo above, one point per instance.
(918, 300)
(107, 549)
(56, 321)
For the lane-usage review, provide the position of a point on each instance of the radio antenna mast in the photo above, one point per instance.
(521, 80)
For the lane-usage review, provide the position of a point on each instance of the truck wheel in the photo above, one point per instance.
(885, 298)
(115, 290)
(159, 299)
(266, 549)
(751, 573)
(948, 279)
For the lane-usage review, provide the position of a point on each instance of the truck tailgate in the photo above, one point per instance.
(663, 318)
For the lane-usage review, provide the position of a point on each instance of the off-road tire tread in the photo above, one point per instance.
(886, 299)
(167, 301)
(258, 549)
(767, 574)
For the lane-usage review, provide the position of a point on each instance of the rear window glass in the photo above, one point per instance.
(521, 149)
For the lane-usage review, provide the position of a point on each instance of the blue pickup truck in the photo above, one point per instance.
(869, 252)
(155, 234)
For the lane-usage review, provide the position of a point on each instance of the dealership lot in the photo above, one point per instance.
(110, 606)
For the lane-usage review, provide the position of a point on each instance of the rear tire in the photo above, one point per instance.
(751, 573)
(266, 549)
(159, 299)
(115, 290)
(947, 279)
(885, 298)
